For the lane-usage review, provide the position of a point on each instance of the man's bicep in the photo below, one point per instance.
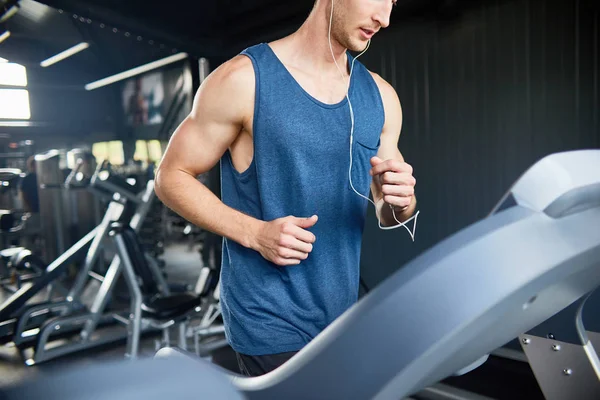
(217, 117)
(196, 146)
(390, 134)
(392, 127)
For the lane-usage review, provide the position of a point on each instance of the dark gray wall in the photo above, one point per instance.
(58, 98)
(62, 111)
(484, 96)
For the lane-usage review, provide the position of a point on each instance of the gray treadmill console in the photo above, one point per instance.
(462, 299)
(177, 379)
(560, 184)
(455, 303)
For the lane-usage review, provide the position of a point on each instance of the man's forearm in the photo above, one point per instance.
(193, 201)
(387, 216)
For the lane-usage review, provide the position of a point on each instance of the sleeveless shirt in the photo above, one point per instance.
(300, 167)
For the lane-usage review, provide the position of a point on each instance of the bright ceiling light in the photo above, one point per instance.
(65, 54)
(9, 13)
(136, 71)
(34, 11)
(4, 36)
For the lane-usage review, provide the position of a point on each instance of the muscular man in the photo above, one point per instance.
(277, 118)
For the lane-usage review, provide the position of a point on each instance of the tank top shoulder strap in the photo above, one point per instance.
(255, 52)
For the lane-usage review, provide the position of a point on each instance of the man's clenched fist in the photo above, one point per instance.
(395, 180)
(286, 241)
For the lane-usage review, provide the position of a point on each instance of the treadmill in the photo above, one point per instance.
(439, 316)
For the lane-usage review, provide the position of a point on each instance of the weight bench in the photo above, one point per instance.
(149, 306)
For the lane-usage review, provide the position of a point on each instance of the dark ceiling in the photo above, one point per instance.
(123, 34)
(39, 31)
(126, 33)
(213, 28)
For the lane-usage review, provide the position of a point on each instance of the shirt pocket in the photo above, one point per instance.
(361, 165)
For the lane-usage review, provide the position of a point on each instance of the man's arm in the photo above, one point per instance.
(219, 114)
(393, 183)
(224, 107)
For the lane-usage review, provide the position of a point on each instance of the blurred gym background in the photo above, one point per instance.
(86, 86)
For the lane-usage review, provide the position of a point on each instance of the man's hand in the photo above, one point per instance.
(285, 241)
(395, 180)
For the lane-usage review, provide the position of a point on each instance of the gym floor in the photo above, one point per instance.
(183, 266)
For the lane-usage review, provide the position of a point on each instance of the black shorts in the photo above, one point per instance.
(260, 365)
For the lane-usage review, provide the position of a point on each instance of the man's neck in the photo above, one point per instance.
(309, 46)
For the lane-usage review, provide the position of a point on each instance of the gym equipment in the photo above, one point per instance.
(7, 220)
(17, 227)
(24, 323)
(67, 215)
(564, 358)
(50, 182)
(9, 193)
(558, 347)
(442, 313)
(151, 308)
(536, 254)
(18, 233)
(207, 328)
(18, 265)
(148, 305)
(82, 206)
(207, 286)
(86, 321)
(143, 379)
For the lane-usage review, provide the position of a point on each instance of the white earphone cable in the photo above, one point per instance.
(400, 224)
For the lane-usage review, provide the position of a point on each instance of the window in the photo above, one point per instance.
(111, 151)
(14, 103)
(13, 74)
(147, 151)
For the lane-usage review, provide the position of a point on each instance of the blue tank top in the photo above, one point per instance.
(300, 168)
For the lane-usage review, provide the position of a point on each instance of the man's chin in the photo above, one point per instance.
(358, 45)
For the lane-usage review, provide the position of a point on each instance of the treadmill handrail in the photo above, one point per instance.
(559, 184)
(458, 301)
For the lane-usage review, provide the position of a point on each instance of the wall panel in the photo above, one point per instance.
(484, 96)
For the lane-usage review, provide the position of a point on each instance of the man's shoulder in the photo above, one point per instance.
(233, 78)
(387, 91)
(227, 93)
(382, 84)
(237, 69)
